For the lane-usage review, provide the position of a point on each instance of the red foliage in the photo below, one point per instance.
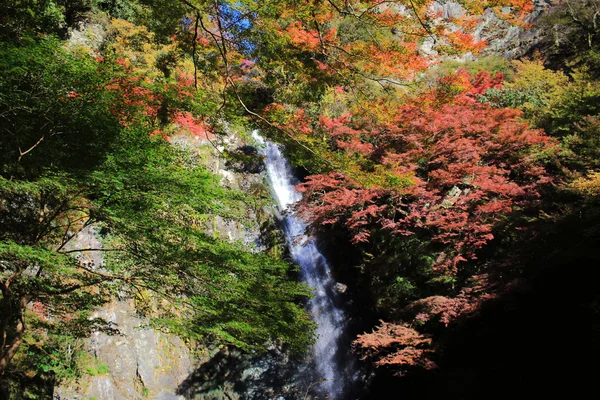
(445, 310)
(401, 346)
(203, 41)
(159, 132)
(247, 65)
(40, 310)
(396, 345)
(195, 126)
(470, 165)
(185, 79)
(138, 96)
(134, 96)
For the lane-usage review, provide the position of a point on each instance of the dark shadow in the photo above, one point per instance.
(539, 340)
(230, 374)
(15, 385)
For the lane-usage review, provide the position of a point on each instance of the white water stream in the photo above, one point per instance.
(315, 271)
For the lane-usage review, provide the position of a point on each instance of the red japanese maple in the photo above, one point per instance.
(469, 166)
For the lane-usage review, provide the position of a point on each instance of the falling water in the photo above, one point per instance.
(330, 319)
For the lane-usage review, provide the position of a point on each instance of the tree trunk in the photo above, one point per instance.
(12, 344)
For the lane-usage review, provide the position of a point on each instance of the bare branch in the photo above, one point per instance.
(194, 40)
(22, 153)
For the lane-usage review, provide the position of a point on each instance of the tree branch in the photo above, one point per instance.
(86, 250)
(194, 50)
(22, 153)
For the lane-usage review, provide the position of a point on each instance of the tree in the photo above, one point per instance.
(147, 199)
(451, 167)
(573, 37)
(334, 80)
(47, 112)
(19, 19)
(299, 50)
(396, 345)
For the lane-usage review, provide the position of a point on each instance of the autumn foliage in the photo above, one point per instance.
(401, 167)
(394, 162)
(442, 167)
(396, 345)
(418, 166)
(454, 169)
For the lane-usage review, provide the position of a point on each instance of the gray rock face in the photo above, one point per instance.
(142, 362)
(509, 40)
(207, 154)
(87, 238)
(228, 374)
(88, 35)
(447, 9)
(502, 37)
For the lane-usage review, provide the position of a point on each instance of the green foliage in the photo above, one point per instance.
(564, 106)
(572, 38)
(399, 292)
(514, 98)
(350, 29)
(124, 9)
(53, 109)
(570, 103)
(79, 153)
(491, 64)
(582, 146)
(56, 347)
(97, 368)
(163, 18)
(397, 272)
(21, 18)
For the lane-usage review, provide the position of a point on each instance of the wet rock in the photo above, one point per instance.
(245, 159)
(230, 374)
(341, 288)
(248, 150)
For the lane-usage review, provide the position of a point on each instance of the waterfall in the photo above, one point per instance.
(330, 360)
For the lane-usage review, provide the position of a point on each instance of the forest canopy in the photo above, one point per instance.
(448, 179)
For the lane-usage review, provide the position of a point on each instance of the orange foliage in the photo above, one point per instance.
(397, 345)
(305, 39)
(464, 42)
